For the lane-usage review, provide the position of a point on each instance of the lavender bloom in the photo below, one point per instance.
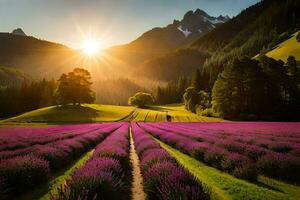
(23, 172)
(163, 177)
(106, 174)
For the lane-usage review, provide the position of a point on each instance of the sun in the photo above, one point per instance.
(91, 47)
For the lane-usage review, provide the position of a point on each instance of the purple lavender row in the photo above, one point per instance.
(106, 175)
(239, 144)
(259, 137)
(240, 160)
(55, 144)
(18, 138)
(261, 129)
(163, 177)
(21, 173)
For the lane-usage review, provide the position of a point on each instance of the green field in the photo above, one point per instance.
(89, 113)
(74, 114)
(287, 48)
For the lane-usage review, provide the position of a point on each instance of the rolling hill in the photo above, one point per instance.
(89, 113)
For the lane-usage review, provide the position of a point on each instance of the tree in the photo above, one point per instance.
(239, 89)
(75, 88)
(190, 99)
(196, 81)
(292, 66)
(141, 99)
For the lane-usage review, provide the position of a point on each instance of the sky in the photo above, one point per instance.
(115, 22)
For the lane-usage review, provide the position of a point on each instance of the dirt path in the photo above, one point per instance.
(137, 184)
(129, 117)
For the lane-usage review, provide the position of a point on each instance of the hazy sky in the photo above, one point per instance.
(115, 21)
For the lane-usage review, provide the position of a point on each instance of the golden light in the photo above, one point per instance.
(91, 47)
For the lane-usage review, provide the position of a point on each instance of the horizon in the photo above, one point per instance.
(63, 17)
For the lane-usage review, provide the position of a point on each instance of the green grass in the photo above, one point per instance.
(44, 191)
(224, 186)
(180, 114)
(89, 113)
(74, 114)
(148, 115)
(287, 48)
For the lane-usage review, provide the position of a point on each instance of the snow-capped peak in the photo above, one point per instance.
(185, 31)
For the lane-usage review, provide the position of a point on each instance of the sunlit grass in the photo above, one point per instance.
(287, 48)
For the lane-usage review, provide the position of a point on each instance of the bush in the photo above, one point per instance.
(298, 37)
(99, 177)
(208, 112)
(141, 99)
(247, 171)
(214, 157)
(23, 172)
(282, 166)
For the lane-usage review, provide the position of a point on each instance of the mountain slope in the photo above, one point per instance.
(248, 33)
(290, 47)
(34, 56)
(12, 77)
(180, 63)
(159, 41)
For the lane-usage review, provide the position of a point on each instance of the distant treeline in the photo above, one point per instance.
(16, 99)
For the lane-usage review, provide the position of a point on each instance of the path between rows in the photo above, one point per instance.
(137, 184)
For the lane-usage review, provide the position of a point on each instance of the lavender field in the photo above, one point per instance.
(140, 160)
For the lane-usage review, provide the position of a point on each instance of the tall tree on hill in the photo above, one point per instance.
(75, 88)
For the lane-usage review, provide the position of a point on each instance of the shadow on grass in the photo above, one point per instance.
(65, 114)
(261, 184)
(157, 108)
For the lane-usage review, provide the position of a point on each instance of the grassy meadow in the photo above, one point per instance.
(88, 113)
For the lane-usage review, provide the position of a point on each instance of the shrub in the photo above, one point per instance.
(280, 166)
(23, 172)
(214, 156)
(141, 99)
(208, 112)
(246, 171)
(98, 178)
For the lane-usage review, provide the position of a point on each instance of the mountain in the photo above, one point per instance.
(171, 66)
(36, 57)
(256, 28)
(18, 31)
(159, 41)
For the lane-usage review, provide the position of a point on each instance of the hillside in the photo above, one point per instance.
(248, 33)
(12, 77)
(33, 56)
(255, 28)
(290, 47)
(171, 66)
(105, 113)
